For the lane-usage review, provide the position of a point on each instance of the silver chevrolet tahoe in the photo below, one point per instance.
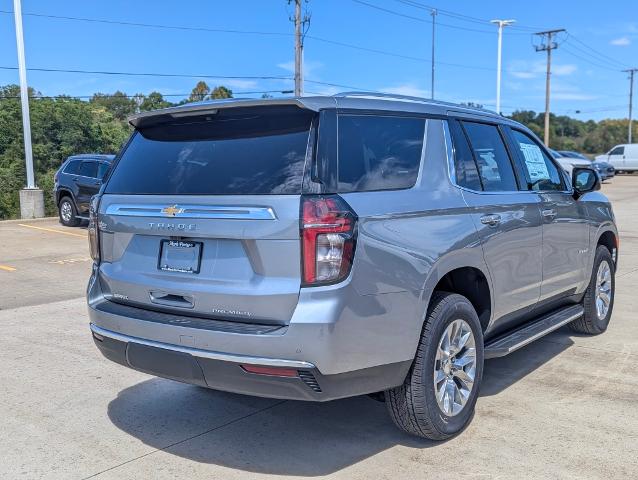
(318, 248)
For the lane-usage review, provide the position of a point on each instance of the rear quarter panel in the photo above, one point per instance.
(407, 241)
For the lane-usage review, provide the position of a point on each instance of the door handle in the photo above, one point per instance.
(549, 213)
(491, 220)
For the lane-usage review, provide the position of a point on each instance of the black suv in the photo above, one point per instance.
(76, 181)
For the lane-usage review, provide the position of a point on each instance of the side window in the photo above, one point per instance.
(378, 153)
(617, 151)
(88, 169)
(492, 159)
(72, 167)
(540, 171)
(464, 166)
(102, 170)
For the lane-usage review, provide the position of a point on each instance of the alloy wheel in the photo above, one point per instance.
(603, 289)
(455, 367)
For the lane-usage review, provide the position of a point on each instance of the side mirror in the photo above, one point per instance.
(585, 180)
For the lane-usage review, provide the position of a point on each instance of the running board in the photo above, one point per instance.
(510, 342)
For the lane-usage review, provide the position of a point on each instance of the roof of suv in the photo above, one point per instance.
(347, 100)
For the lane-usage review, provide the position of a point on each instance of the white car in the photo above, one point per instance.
(624, 158)
(568, 163)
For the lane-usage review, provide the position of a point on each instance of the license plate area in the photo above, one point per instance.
(180, 256)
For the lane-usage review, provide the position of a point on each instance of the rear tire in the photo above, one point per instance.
(415, 406)
(68, 212)
(598, 301)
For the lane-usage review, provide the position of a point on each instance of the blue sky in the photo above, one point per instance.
(601, 41)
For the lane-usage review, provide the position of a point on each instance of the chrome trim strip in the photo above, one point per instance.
(228, 212)
(197, 352)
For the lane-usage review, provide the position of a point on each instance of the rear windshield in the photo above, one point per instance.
(236, 151)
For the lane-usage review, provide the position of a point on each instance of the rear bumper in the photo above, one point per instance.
(347, 343)
(222, 371)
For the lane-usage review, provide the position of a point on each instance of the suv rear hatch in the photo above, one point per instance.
(200, 215)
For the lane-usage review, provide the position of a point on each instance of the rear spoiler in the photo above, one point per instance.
(164, 115)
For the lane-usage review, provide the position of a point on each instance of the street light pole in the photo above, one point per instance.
(501, 24)
(31, 198)
(24, 94)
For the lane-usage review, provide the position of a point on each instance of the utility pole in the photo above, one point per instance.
(297, 48)
(31, 198)
(631, 72)
(547, 45)
(501, 24)
(299, 39)
(433, 13)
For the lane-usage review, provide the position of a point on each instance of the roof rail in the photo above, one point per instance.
(405, 98)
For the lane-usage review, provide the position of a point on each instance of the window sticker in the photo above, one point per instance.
(534, 162)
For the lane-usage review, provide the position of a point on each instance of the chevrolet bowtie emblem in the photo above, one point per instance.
(172, 210)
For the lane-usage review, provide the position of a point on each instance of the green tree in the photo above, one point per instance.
(153, 101)
(118, 104)
(199, 92)
(221, 92)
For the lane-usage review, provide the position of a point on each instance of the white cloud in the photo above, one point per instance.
(239, 84)
(524, 70)
(309, 67)
(409, 89)
(621, 42)
(573, 96)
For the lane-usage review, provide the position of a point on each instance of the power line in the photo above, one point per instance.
(602, 56)
(460, 16)
(312, 37)
(422, 20)
(568, 50)
(152, 25)
(149, 74)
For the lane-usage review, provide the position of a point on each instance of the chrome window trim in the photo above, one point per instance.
(226, 212)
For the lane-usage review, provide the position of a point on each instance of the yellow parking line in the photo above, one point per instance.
(52, 230)
(7, 268)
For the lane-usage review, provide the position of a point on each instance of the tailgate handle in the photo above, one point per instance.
(171, 299)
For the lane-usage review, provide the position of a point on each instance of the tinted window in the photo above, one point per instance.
(617, 151)
(378, 153)
(540, 171)
(72, 167)
(465, 168)
(495, 167)
(88, 169)
(102, 170)
(236, 151)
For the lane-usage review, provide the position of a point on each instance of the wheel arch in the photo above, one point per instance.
(63, 192)
(609, 239)
(464, 275)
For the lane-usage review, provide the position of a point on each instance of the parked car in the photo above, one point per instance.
(624, 158)
(604, 169)
(318, 248)
(568, 163)
(76, 181)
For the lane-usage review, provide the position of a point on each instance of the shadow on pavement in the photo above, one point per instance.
(500, 373)
(282, 438)
(285, 437)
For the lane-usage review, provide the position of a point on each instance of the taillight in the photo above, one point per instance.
(328, 236)
(94, 230)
